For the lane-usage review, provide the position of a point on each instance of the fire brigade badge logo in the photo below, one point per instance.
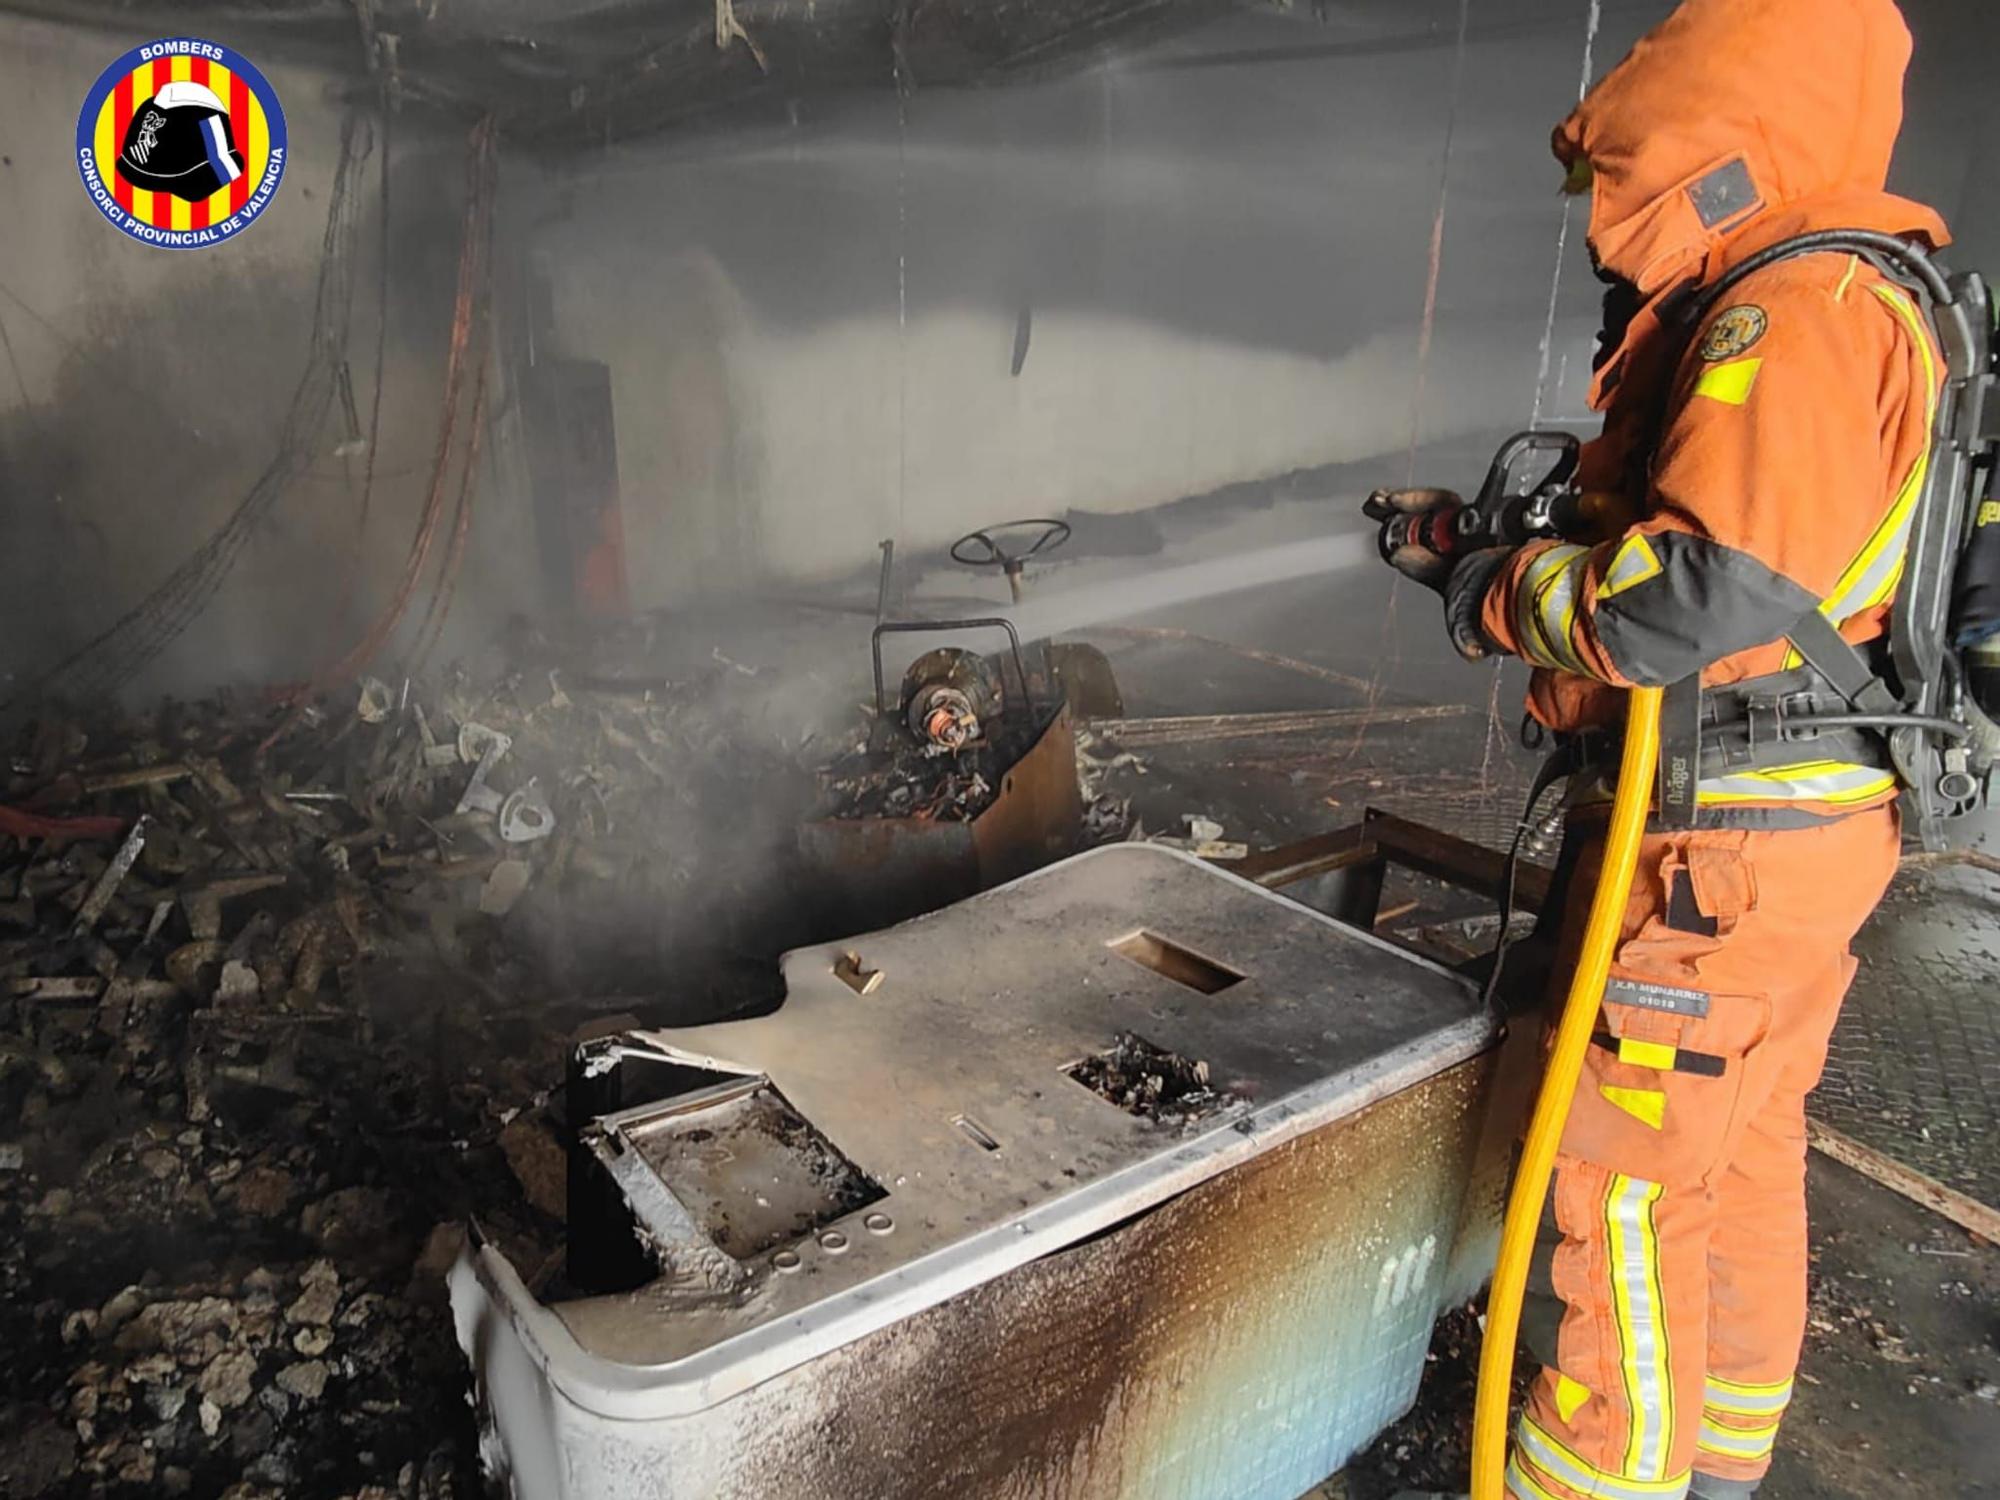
(181, 143)
(1734, 330)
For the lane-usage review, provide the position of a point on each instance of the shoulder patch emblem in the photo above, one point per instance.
(1733, 331)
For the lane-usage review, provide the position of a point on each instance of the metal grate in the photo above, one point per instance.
(1914, 1069)
(1461, 776)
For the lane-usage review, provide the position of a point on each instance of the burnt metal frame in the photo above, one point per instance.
(941, 627)
(1361, 853)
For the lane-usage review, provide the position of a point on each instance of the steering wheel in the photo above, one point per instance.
(979, 549)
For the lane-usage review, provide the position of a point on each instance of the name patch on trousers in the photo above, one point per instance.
(1667, 997)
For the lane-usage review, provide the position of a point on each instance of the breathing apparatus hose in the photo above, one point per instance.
(1629, 808)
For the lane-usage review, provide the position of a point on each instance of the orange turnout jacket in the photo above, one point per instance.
(1776, 456)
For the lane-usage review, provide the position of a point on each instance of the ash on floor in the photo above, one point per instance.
(282, 995)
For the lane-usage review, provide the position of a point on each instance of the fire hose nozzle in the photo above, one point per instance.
(1448, 527)
(1529, 493)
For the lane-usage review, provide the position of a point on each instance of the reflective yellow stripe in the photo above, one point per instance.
(1526, 625)
(1853, 265)
(1900, 303)
(1647, 1054)
(1878, 567)
(1546, 612)
(1742, 1400)
(1736, 1442)
(1648, 1106)
(1640, 1313)
(1521, 1487)
(1557, 610)
(1837, 782)
(1731, 384)
(1539, 1450)
(1634, 563)
(1571, 1396)
(1872, 577)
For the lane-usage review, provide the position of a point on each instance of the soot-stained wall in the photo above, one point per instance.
(1184, 269)
(1206, 263)
(1318, 238)
(142, 389)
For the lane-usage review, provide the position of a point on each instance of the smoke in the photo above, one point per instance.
(1190, 583)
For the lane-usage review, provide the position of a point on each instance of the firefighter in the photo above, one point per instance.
(1773, 453)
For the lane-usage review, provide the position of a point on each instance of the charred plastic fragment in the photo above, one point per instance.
(1151, 1081)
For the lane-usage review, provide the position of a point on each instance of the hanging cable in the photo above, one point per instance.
(468, 486)
(382, 263)
(467, 314)
(123, 649)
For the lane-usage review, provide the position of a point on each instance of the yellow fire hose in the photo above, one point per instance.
(1545, 1127)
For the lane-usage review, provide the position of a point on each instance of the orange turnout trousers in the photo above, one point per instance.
(1680, 1185)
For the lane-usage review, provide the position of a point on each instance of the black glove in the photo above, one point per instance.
(1461, 581)
(1465, 601)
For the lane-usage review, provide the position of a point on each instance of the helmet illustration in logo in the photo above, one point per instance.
(180, 141)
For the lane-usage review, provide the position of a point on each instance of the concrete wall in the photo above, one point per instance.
(141, 388)
(1219, 251)
(1222, 250)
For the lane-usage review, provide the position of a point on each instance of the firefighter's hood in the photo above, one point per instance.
(1736, 123)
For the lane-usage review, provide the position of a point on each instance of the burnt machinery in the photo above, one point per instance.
(968, 774)
(1130, 1178)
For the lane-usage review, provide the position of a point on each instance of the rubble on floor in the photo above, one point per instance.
(277, 1012)
(952, 788)
(884, 773)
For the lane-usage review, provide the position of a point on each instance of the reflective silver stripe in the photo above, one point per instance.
(1748, 1400)
(1732, 1443)
(1886, 555)
(1555, 607)
(1822, 781)
(1548, 571)
(1641, 1325)
(1634, 563)
(1546, 1453)
(1521, 1487)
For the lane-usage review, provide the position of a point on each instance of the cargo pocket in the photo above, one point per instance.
(1721, 884)
(1663, 1084)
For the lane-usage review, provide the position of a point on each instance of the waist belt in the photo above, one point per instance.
(1781, 720)
(1730, 742)
(1785, 736)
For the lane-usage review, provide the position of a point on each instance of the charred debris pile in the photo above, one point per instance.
(283, 995)
(286, 994)
(247, 857)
